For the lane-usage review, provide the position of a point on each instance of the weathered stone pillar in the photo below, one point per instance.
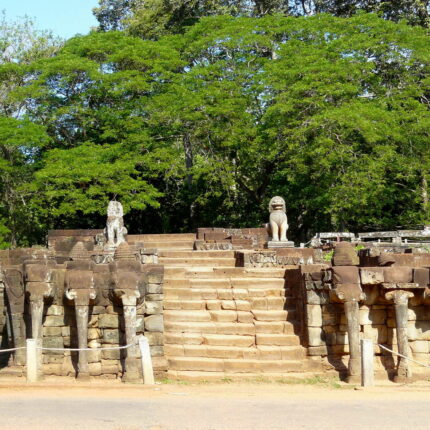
(38, 284)
(401, 298)
(354, 365)
(12, 278)
(129, 287)
(79, 281)
(347, 290)
(132, 360)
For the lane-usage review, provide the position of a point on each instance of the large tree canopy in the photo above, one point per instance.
(202, 128)
(153, 18)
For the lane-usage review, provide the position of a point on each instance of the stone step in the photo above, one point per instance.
(234, 352)
(183, 292)
(225, 315)
(233, 365)
(182, 262)
(233, 272)
(183, 282)
(240, 304)
(175, 237)
(195, 254)
(184, 245)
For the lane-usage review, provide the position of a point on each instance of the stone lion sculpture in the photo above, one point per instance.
(278, 222)
(115, 230)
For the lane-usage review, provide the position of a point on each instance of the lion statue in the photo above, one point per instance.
(115, 230)
(278, 223)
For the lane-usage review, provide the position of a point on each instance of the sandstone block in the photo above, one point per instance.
(228, 340)
(398, 274)
(54, 321)
(315, 336)
(111, 336)
(378, 333)
(314, 297)
(420, 346)
(317, 350)
(154, 307)
(372, 276)
(55, 310)
(373, 316)
(260, 315)
(52, 331)
(269, 352)
(190, 327)
(275, 303)
(280, 366)
(94, 356)
(150, 297)
(269, 327)
(154, 323)
(197, 364)
(257, 292)
(156, 351)
(243, 305)
(110, 369)
(108, 321)
(223, 316)
(245, 317)
(225, 294)
(292, 352)
(94, 333)
(259, 303)
(192, 339)
(240, 294)
(154, 288)
(94, 321)
(228, 305)
(94, 344)
(53, 342)
(96, 310)
(174, 350)
(95, 369)
(140, 324)
(155, 338)
(187, 315)
(224, 352)
(235, 328)
(169, 337)
(314, 315)
(111, 354)
(241, 366)
(172, 304)
(213, 305)
(277, 340)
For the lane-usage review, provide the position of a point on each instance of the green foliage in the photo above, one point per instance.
(201, 128)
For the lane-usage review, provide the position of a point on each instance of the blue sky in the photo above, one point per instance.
(64, 17)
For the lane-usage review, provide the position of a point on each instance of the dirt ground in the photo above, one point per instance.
(311, 404)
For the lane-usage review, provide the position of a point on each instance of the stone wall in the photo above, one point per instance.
(325, 324)
(106, 325)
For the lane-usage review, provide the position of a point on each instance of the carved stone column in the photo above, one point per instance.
(129, 287)
(347, 290)
(14, 286)
(80, 288)
(350, 295)
(401, 298)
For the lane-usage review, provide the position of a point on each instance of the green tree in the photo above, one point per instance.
(92, 99)
(21, 141)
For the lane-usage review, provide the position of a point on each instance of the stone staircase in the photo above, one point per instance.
(184, 241)
(224, 321)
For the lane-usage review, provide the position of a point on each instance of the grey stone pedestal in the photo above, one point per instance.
(280, 244)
